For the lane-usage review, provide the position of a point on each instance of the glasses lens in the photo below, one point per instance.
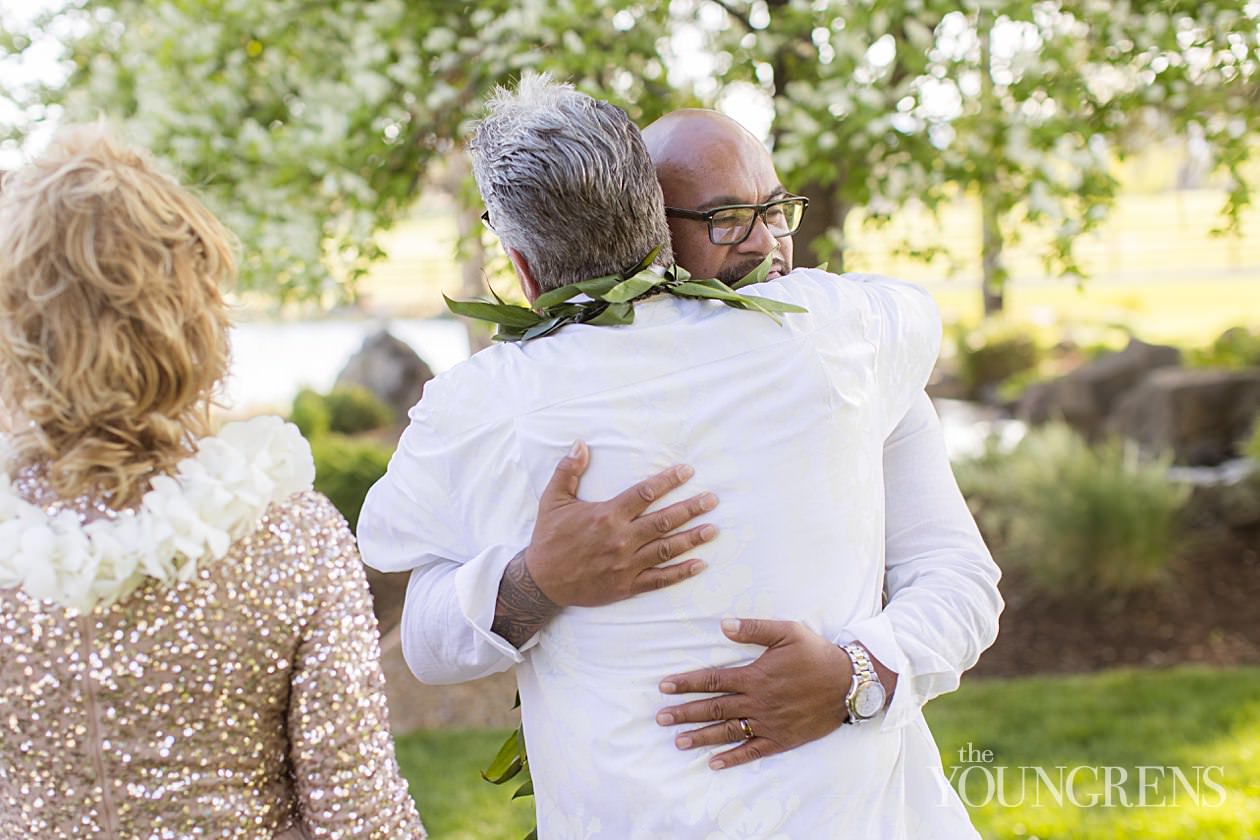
(728, 227)
(784, 217)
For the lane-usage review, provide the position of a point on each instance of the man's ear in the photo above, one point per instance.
(528, 285)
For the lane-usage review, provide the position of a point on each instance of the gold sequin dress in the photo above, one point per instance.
(247, 704)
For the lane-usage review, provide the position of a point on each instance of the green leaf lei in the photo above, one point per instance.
(612, 300)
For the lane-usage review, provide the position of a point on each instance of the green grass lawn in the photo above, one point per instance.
(1184, 718)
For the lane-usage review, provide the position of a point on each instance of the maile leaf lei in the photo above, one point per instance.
(612, 299)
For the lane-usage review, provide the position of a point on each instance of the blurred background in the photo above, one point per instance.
(1071, 180)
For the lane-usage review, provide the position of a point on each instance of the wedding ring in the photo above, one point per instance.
(746, 728)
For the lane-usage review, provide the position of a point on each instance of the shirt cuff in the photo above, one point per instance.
(477, 593)
(876, 635)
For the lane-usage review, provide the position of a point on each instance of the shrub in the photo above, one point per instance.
(1252, 447)
(1077, 518)
(993, 352)
(310, 414)
(349, 410)
(346, 468)
(354, 410)
(1236, 348)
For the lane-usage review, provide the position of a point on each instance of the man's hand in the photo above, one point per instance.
(589, 554)
(790, 695)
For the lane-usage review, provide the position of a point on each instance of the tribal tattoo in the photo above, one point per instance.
(522, 607)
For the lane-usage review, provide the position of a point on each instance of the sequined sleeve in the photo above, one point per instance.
(346, 776)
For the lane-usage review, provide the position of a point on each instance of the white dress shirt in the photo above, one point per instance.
(794, 428)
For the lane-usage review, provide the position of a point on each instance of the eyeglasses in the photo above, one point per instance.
(733, 223)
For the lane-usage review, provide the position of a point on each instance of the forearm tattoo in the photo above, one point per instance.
(522, 608)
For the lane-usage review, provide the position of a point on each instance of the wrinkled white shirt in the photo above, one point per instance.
(805, 431)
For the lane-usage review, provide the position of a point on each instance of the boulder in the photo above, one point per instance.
(390, 369)
(1200, 415)
(1086, 396)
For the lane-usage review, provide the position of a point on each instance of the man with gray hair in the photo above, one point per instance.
(784, 422)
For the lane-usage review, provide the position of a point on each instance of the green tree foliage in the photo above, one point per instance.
(1024, 103)
(310, 126)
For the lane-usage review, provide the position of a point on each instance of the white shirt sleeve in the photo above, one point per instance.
(409, 522)
(897, 322)
(941, 582)
(906, 330)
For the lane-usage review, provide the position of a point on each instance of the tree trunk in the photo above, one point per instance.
(472, 252)
(993, 272)
(826, 212)
(993, 283)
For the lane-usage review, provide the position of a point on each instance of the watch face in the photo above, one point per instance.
(868, 700)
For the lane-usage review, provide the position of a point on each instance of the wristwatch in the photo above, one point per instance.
(866, 695)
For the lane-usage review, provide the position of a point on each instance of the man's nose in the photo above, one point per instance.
(760, 241)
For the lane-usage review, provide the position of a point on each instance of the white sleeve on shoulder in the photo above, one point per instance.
(941, 582)
(411, 522)
(897, 321)
(905, 327)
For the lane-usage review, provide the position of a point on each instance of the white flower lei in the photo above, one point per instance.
(214, 498)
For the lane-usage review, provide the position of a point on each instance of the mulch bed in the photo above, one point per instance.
(1207, 612)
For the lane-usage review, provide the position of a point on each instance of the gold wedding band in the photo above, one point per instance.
(746, 728)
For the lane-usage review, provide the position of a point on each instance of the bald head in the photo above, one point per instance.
(686, 143)
(705, 159)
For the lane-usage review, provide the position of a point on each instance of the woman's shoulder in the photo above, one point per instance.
(305, 525)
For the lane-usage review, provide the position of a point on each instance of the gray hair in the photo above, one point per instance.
(568, 182)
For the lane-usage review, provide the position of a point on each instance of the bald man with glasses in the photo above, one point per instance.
(728, 211)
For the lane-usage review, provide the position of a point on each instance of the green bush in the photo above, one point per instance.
(346, 468)
(1237, 347)
(1252, 447)
(993, 352)
(1077, 518)
(354, 410)
(347, 411)
(310, 414)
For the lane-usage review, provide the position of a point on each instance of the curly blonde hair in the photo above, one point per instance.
(113, 327)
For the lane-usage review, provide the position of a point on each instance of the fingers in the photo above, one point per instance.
(667, 548)
(750, 750)
(730, 706)
(661, 522)
(636, 499)
(658, 578)
(758, 631)
(563, 486)
(715, 735)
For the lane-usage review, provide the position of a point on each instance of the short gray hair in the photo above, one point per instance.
(568, 182)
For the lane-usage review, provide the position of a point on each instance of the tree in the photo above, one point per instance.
(310, 126)
(1022, 103)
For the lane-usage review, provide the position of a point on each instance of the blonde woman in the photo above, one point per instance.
(187, 645)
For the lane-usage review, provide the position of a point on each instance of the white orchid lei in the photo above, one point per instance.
(214, 498)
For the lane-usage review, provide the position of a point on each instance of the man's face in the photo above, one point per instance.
(715, 164)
